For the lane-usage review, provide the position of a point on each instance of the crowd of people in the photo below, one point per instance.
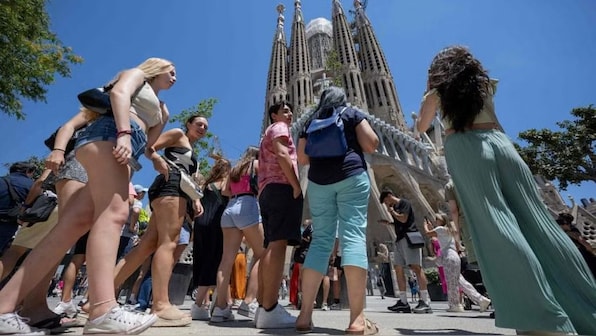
(257, 204)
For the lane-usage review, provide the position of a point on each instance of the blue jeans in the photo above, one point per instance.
(339, 210)
(144, 294)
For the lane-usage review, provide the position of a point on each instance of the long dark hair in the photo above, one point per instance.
(242, 166)
(219, 171)
(462, 84)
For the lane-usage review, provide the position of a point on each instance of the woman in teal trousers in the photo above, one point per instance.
(536, 278)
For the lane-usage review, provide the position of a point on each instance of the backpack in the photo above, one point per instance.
(325, 137)
(11, 214)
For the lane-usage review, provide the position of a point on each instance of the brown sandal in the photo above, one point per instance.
(370, 328)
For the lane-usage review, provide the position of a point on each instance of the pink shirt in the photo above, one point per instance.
(242, 186)
(269, 169)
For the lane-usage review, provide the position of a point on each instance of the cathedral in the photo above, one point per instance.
(346, 52)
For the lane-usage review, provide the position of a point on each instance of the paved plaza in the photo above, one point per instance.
(334, 322)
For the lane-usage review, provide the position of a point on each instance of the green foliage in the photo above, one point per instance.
(208, 145)
(567, 155)
(30, 54)
(36, 161)
(432, 276)
(333, 68)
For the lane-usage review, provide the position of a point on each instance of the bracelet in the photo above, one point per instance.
(59, 149)
(123, 132)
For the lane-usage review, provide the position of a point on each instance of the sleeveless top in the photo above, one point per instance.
(242, 186)
(183, 157)
(145, 105)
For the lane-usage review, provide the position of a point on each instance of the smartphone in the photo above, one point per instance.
(134, 164)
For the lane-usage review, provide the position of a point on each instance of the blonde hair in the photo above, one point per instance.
(154, 66)
(446, 222)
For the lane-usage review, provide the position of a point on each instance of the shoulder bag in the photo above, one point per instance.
(415, 239)
(187, 183)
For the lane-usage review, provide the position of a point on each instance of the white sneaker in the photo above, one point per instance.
(67, 308)
(484, 303)
(278, 318)
(222, 315)
(335, 306)
(199, 313)
(456, 309)
(324, 307)
(248, 309)
(13, 324)
(120, 321)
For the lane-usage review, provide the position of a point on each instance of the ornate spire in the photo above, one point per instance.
(346, 52)
(300, 82)
(381, 94)
(276, 79)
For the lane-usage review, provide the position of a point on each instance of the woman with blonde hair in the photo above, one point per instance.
(169, 207)
(516, 237)
(241, 218)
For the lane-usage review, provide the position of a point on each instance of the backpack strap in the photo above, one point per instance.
(14, 197)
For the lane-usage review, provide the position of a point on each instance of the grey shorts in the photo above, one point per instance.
(242, 212)
(403, 255)
(72, 170)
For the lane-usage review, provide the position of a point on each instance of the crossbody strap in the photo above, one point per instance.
(13, 194)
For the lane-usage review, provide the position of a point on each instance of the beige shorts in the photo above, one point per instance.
(29, 237)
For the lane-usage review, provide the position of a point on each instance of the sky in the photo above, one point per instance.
(542, 52)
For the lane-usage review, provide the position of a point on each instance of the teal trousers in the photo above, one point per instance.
(534, 274)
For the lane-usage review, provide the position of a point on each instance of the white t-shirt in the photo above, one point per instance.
(445, 238)
(126, 232)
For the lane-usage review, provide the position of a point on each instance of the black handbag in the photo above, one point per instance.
(41, 208)
(415, 239)
(50, 142)
(98, 99)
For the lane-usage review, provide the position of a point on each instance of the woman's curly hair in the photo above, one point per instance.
(462, 84)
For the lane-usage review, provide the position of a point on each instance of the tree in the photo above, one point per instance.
(30, 54)
(333, 66)
(568, 155)
(208, 146)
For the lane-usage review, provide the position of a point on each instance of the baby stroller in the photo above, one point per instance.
(472, 274)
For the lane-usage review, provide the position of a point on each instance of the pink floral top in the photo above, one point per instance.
(269, 169)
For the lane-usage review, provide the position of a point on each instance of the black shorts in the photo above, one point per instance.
(281, 214)
(81, 244)
(160, 187)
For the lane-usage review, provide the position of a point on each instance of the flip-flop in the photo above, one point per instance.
(370, 328)
(305, 330)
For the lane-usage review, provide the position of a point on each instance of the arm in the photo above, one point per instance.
(401, 217)
(367, 138)
(428, 229)
(154, 132)
(430, 105)
(56, 158)
(166, 139)
(120, 96)
(36, 187)
(303, 159)
(280, 147)
(134, 218)
(225, 187)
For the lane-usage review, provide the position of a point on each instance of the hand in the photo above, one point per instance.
(198, 208)
(383, 221)
(161, 166)
(296, 192)
(122, 151)
(55, 160)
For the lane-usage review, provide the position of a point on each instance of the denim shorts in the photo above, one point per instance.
(242, 212)
(184, 236)
(104, 129)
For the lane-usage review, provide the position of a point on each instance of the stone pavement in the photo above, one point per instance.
(334, 322)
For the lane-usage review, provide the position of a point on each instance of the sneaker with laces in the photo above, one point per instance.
(66, 308)
(422, 308)
(199, 313)
(248, 309)
(456, 309)
(222, 315)
(278, 318)
(484, 303)
(120, 321)
(400, 307)
(13, 324)
(335, 306)
(324, 307)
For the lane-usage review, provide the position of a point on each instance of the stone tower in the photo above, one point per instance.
(379, 87)
(343, 44)
(277, 77)
(300, 83)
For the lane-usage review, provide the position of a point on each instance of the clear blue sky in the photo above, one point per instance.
(543, 52)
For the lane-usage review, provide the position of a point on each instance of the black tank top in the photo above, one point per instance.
(183, 157)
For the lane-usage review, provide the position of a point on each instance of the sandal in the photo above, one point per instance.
(370, 328)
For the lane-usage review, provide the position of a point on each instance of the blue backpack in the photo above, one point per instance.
(326, 137)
